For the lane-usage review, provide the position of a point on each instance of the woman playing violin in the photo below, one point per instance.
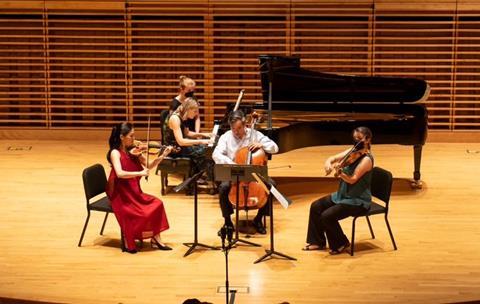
(225, 152)
(353, 168)
(140, 215)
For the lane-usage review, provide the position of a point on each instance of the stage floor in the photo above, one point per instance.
(436, 228)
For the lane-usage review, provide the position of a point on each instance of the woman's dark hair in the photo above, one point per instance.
(114, 141)
(365, 131)
(236, 115)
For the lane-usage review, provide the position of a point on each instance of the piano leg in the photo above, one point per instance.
(417, 155)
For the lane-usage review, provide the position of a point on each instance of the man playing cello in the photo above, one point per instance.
(229, 143)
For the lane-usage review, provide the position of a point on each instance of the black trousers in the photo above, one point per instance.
(323, 220)
(227, 207)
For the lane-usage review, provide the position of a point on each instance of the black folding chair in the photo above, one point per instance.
(381, 189)
(94, 183)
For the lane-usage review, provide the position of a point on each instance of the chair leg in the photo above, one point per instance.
(162, 182)
(370, 227)
(104, 222)
(352, 242)
(84, 228)
(390, 232)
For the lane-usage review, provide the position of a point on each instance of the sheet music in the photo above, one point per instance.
(280, 198)
(285, 202)
(214, 135)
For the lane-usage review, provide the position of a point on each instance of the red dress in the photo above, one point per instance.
(140, 215)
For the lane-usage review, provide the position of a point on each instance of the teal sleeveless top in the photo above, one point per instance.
(357, 194)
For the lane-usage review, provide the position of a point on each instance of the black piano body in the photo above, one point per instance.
(310, 108)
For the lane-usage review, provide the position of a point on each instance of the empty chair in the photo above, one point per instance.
(94, 182)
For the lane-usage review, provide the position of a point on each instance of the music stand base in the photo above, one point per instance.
(196, 244)
(270, 253)
(245, 242)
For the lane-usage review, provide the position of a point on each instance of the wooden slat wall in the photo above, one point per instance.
(418, 41)
(333, 37)
(166, 39)
(86, 60)
(87, 64)
(466, 107)
(242, 30)
(23, 88)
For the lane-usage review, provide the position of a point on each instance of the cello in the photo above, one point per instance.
(250, 194)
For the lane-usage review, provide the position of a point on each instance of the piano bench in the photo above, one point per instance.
(171, 165)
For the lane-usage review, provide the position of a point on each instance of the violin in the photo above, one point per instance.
(251, 194)
(357, 151)
(154, 148)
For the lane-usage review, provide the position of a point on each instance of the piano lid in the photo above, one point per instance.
(291, 83)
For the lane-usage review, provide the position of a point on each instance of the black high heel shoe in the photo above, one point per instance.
(131, 251)
(154, 243)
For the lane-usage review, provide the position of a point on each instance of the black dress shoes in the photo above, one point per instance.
(259, 226)
(229, 227)
(131, 251)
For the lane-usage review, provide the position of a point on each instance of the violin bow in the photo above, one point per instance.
(148, 142)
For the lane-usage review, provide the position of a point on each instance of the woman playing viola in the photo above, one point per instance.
(140, 215)
(352, 198)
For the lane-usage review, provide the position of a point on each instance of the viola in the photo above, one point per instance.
(357, 151)
(251, 194)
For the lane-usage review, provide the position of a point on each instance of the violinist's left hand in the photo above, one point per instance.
(254, 146)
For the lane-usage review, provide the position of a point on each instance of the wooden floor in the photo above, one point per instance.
(437, 231)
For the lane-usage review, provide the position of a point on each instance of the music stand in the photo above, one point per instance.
(267, 185)
(180, 187)
(235, 174)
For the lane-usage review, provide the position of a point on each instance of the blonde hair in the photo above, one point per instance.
(184, 81)
(189, 104)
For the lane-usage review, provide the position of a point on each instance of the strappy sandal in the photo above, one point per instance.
(340, 249)
(312, 247)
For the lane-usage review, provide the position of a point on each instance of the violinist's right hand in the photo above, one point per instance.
(144, 172)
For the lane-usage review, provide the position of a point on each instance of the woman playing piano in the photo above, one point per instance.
(352, 198)
(192, 144)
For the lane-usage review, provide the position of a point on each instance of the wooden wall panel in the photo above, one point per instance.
(419, 42)
(166, 39)
(81, 64)
(466, 108)
(241, 31)
(23, 92)
(86, 56)
(333, 37)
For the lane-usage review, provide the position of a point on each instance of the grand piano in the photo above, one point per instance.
(308, 108)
